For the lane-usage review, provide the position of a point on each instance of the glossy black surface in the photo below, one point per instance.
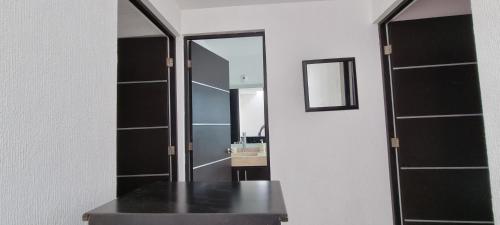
(446, 195)
(142, 105)
(205, 61)
(432, 91)
(456, 141)
(210, 105)
(211, 109)
(142, 151)
(437, 40)
(234, 99)
(142, 59)
(250, 203)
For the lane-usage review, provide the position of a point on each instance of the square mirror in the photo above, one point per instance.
(330, 84)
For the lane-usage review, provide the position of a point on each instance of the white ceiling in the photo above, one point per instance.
(197, 4)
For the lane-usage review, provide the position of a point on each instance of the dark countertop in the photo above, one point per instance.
(196, 203)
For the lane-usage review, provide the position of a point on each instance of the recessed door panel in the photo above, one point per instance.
(143, 152)
(439, 40)
(439, 142)
(446, 90)
(142, 105)
(461, 195)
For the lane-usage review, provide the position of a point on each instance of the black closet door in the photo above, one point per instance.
(143, 112)
(443, 173)
(211, 125)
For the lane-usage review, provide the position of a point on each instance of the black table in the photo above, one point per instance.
(196, 203)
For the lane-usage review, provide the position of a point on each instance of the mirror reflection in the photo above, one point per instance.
(330, 84)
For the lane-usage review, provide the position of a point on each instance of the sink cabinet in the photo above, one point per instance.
(250, 173)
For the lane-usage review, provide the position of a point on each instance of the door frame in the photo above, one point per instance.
(149, 11)
(188, 98)
(386, 78)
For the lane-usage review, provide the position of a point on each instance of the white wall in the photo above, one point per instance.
(431, 8)
(170, 11)
(381, 8)
(57, 109)
(333, 165)
(133, 23)
(171, 16)
(487, 34)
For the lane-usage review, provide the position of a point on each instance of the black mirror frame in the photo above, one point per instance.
(329, 108)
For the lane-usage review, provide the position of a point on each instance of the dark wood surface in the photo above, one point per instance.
(222, 203)
(142, 152)
(440, 170)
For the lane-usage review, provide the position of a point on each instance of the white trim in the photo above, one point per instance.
(439, 116)
(144, 82)
(447, 221)
(444, 168)
(209, 86)
(143, 128)
(211, 124)
(144, 175)
(435, 65)
(210, 163)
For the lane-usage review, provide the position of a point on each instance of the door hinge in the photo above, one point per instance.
(189, 64)
(170, 62)
(395, 142)
(171, 150)
(388, 49)
(190, 146)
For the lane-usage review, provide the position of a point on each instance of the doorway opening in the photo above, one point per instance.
(146, 118)
(437, 151)
(227, 130)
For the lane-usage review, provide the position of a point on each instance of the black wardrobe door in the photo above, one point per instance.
(211, 115)
(143, 105)
(443, 170)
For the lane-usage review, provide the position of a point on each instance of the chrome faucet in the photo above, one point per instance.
(243, 140)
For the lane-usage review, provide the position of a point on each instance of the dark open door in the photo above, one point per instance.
(211, 125)
(441, 170)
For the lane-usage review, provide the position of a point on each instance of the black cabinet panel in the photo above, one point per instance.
(208, 150)
(210, 105)
(142, 105)
(432, 41)
(128, 184)
(441, 90)
(220, 171)
(446, 195)
(455, 141)
(250, 173)
(142, 59)
(209, 68)
(143, 152)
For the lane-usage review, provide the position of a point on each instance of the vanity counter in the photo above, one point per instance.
(195, 203)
